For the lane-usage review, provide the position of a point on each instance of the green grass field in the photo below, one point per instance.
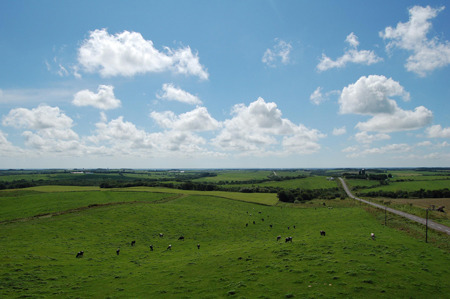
(234, 260)
(313, 182)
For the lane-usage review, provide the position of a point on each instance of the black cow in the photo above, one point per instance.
(322, 233)
(80, 254)
(118, 251)
(198, 246)
(181, 238)
(169, 247)
(278, 238)
(133, 243)
(288, 239)
(161, 235)
(151, 247)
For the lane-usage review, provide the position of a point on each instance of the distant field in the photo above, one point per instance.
(260, 198)
(411, 186)
(234, 260)
(314, 182)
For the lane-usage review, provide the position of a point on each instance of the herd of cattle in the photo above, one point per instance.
(161, 235)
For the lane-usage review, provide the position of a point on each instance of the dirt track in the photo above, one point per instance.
(91, 206)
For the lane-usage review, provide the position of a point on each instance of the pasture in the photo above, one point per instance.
(234, 260)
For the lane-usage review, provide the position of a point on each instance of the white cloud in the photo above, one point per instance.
(278, 54)
(128, 54)
(317, 97)
(437, 131)
(124, 138)
(401, 120)
(339, 131)
(172, 93)
(428, 54)
(364, 137)
(384, 150)
(371, 96)
(104, 99)
(7, 149)
(42, 117)
(196, 120)
(256, 129)
(351, 55)
(48, 129)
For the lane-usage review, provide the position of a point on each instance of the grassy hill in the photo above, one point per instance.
(234, 260)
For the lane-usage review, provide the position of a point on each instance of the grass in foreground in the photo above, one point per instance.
(233, 260)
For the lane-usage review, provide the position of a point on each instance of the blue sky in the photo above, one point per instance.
(224, 84)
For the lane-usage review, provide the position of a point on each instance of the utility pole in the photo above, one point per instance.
(426, 228)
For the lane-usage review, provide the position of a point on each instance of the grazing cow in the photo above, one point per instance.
(80, 254)
(372, 235)
(289, 227)
(133, 243)
(294, 226)
(151, 247)
(254, 222)
(270, 225)
(322, 233)
(262, 219)
(288, 239)
(246, 224)
(161, 235)
(441, 209)
(181, 238)
(169, 247)
(278, 238)
(198, 246)
(118, 251)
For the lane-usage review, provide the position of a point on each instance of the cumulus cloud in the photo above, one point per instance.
(47, 129)
(172, 93)
(256, 128)
(339, 131)
(123, 137)
(352, 55)
(104, 98)
(42, 117)
(427, 54)
(437, 131)
(372, 96)
(7, 148)
(364, 137)
(196, 120)
(128, 53)
(400, 120)
(278, 54)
